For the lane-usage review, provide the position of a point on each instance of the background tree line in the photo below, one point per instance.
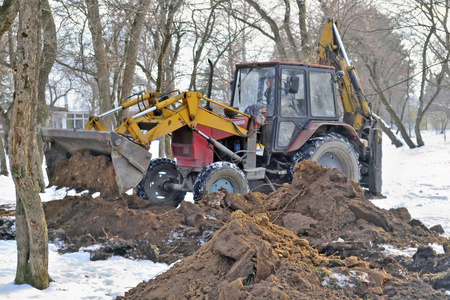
(99, 52)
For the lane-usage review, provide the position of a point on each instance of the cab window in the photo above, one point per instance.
(321, 91)
(292, 101)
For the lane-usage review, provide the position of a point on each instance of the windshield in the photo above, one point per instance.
(254, 89)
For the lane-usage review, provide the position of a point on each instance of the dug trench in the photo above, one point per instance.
(317, 238)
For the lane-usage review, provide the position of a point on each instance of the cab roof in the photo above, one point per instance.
(286, 63)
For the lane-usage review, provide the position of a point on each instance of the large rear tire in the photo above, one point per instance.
(220, 175)
(151, 188)
(330, 150)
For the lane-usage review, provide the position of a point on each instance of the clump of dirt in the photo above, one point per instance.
(84, 171)
(251, 258)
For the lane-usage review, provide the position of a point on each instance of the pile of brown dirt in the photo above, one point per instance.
(84, 171)
(251, 258)
(323, 205)
(160, 233)
(345, 231)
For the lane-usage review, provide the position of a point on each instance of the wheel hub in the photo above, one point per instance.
(223, 183)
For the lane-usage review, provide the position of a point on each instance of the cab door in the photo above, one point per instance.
(292, 107)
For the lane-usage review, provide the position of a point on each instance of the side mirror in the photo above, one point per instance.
(294, 84)
(339, 75)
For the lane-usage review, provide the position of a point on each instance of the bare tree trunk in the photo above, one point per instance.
(388, 130)
(304, 42)
(8, 12)
(395, 117)
(31, 227)
(3, 167)
(133, 47)
(201, 38)
(101, 61)
(422, 110)
(287, 27)
(48, 57)
(166, 28)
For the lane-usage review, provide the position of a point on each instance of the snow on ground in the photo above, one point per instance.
(75, 276)
(416, 179)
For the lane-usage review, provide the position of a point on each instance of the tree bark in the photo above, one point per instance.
(388, 130)
(422, 110)
(394, 116)
(133, 47)
(47, 59)
(101, 61)
(3, 167)
(377, 88)
(8, 12)
(287, 27)
(31, 227)
(304, 42)
(166, 28)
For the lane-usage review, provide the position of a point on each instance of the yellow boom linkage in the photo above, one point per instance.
(188, 113)
(331, 52)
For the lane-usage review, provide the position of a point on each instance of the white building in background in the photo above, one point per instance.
(62, 118)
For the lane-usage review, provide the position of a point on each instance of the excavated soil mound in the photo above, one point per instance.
(332, 244)
(251, 258)
(323, 205)
(133, 225)
(84, 171)
(248, 257)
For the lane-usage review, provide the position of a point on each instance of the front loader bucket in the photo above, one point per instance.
(130, 161)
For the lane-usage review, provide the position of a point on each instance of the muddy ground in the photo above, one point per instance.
(317, 238)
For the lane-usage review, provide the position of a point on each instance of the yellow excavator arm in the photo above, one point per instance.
(331, 52)
(188, 113)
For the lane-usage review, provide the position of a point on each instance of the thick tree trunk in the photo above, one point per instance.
(101, 61)
(8, 12)
(31, 227)
(48, 57)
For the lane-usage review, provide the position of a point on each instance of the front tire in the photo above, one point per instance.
(220, 175)
(151, 188)
(330, 150)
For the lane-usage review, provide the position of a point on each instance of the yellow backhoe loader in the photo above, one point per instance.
(280, 114)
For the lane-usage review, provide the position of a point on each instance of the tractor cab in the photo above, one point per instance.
(289, 95)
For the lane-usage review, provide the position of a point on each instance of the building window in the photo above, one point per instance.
(76, 121)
